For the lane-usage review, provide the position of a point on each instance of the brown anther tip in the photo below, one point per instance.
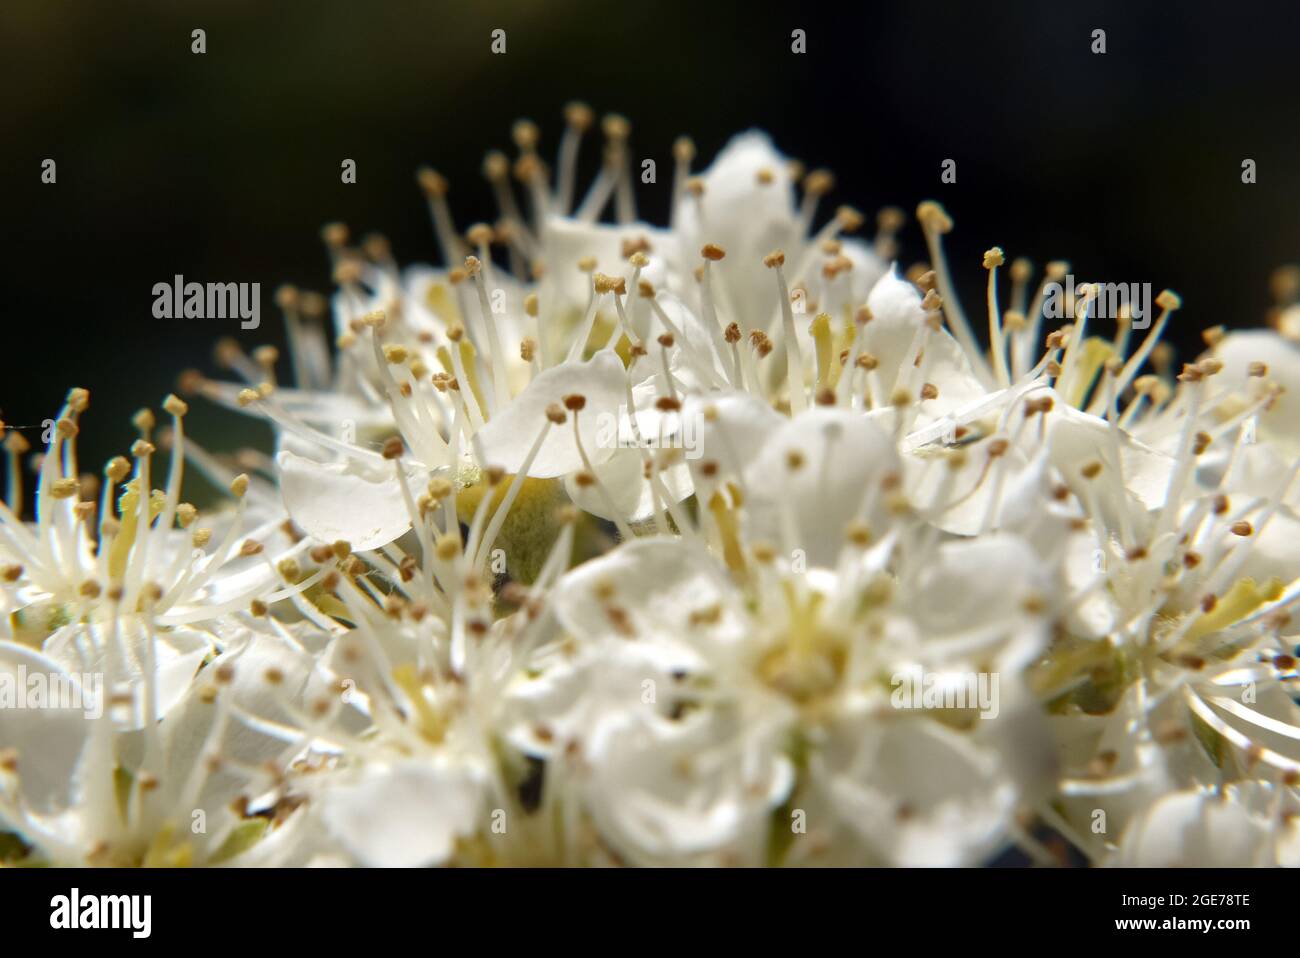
(615, 127)
(994, 257)
(712, 251)
(393, 447)
(1168, 299)
(932, 216)
(774, 259)
(556, 414)
(849, 219)
(496, 166)
(1241, 528)
(574, 402)
(819, 182)
(335, 235)
(1091, 470)
(579, 116)
(732, 333)
(480, 234)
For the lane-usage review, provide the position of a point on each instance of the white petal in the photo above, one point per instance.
(843, 455)
(407, 815)
(509, 435)
(926, 798)
(1195, 830)
(349, 501)
(1238, 350)
(622, 476)
(659, 582)
(49, 741)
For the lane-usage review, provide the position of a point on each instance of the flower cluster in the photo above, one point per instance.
(721, 543)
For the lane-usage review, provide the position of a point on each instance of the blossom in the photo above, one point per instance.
(721, 542)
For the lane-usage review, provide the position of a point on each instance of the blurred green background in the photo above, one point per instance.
(223, 166)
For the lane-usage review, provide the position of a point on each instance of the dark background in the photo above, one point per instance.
(223, 166)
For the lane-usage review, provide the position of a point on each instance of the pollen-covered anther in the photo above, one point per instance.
(774, 259)
(393, 447)
(665, 340)
(1168, 299)
(848, 219)
(901, 397)
(1221, 504)
(90, 589)
(621, 620)
(668, 404)
(794, 460)
(1241, 528)
(932, 216)
(994, 257)
(574, 402)
(760, 341)
(825, 396)
(858, 533)
(584, 479)
(250, 547)
(866, 361)
(239, 486)
(200, 538)
(447, 547)
(247, 397)
(1091, 470)
(64, 488)
(1257, 370)
(713, 252)
(1037, 405)
(1201, 443)
(929, 391)
(765, 176)
(732, 333)
(819, 182)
